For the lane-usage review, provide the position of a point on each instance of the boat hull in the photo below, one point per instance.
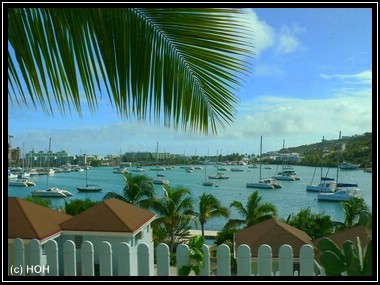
(160, 181)
(89, 189)
(260, 185)
(338, 196)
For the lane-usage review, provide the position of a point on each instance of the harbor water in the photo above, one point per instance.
(288, 200)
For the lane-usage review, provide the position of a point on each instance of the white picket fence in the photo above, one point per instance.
(47, 264)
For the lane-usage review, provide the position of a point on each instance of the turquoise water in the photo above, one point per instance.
(289, 199)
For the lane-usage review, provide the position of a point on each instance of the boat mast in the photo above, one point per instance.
(47, 174)
(261, 150)
(157, 160)
(85, 168)
(322, 145)
(337, 169)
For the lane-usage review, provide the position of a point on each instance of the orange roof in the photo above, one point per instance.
(28, 220)
(273, 233)
(112, 215)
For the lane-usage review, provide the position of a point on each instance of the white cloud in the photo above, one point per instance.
(287, 40)
(361, 77)
(268, 70)
(264, 35)
(299, 118)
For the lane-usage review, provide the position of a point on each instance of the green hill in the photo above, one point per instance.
(355, 149)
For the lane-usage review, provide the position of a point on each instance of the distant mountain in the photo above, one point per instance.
(355, 149)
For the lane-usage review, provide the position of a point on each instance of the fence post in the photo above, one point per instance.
(286, 260)
(205, 271)
(265, 260)
(307, 260)
(223, 260)
(124, 259)
(243, 260)
(10, 259)
(88, 259)
(105, 259)
(35, 255)
(143, 260)
(182, 256)
(51, 248)
(69, 258)
(19, 256)
(163, 260)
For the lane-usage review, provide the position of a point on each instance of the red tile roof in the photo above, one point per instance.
(28, 220)
(112, 215)
(273, 233)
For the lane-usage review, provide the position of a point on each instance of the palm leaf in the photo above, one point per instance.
(176, 66)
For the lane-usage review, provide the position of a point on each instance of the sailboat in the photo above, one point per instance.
(287, 173)
(206, 182)
(343, 192)
(88, 187)
(159, 178)
(51, 191)
(266, 183)
(326, 184)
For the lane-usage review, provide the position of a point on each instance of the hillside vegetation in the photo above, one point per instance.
(356, 149)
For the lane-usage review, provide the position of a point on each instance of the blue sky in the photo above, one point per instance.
(311, 77)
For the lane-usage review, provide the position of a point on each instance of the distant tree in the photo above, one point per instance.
(138, 190)
(175, 212)
(77, 206)
(209, 208)
(96, 163)
(253, 213)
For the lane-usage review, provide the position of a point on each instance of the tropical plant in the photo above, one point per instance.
(138, 190)
(179, 65)
(225, 236)
(196, 256)
(175, 212)
(352, 209)
(315, 225)
(365, 219)
(351, 260)
(253, 213)
(40, 201)
(76, 206)
(209, 208)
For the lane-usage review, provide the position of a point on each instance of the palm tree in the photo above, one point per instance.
(209, 208)
(175, 211)
(179, 65)
(352, 210)
(138, 190)
(253, 213)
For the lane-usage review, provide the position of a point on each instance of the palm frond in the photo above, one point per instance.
(176, 66)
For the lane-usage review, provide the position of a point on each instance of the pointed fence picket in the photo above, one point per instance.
(49, 265)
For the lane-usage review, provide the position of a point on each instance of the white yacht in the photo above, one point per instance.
(52, 192)
(340, 195)
(22, 182)
(160, 181)
(264, 183)
(325, 186)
